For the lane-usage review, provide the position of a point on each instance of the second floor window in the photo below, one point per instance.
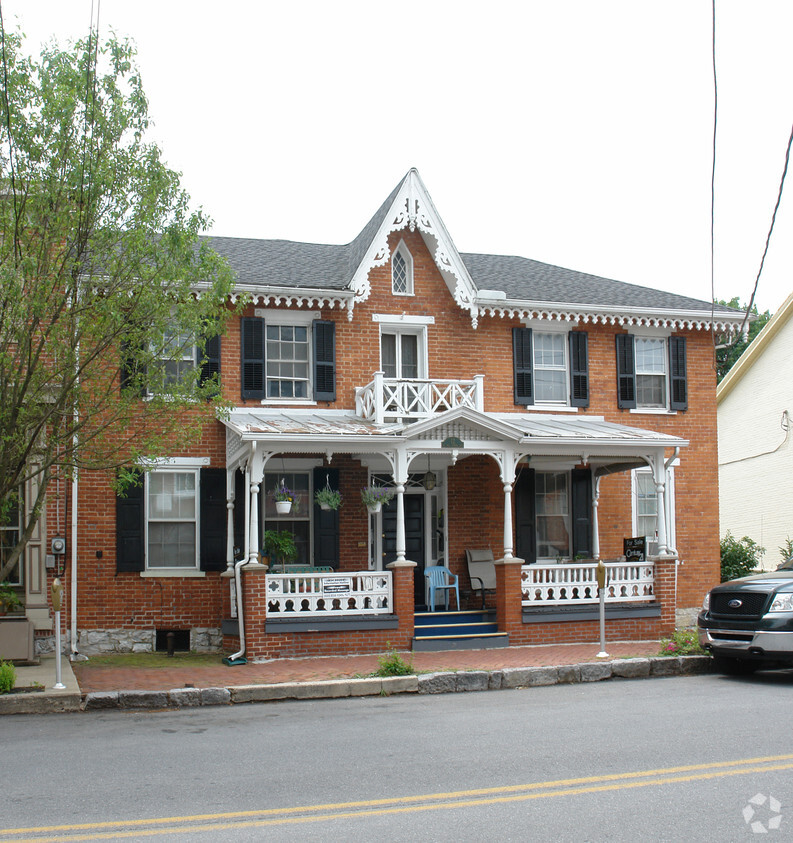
(651, 373)
(399, 353)
(550, 369)
(175, 358)
(287, 361)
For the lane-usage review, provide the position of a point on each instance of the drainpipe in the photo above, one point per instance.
(237, 567)
(73, 590)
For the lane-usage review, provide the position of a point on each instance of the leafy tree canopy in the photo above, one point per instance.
(101, 270)
(728, 352)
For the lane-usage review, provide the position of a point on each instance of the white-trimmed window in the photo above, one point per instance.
(645, 507)
(552, 513)
(651, 376)
(402, 271)
(288, 360)
(298, 520)
(10, 529)
(550, 368)
(176, 357)
(172, 518)
(403, 352)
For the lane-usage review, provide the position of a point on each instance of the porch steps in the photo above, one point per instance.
(457, 631)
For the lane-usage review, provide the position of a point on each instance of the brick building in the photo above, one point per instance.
(538, 412)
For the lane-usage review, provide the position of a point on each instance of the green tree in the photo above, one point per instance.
(105, 289)
(729, 350)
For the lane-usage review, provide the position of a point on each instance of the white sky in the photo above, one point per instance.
(576, 132)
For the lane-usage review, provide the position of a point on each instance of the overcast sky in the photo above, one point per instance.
(576, 132)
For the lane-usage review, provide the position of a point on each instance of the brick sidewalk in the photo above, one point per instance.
(97, 678)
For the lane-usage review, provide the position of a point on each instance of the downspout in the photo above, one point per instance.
(238, 657)
(73, 606)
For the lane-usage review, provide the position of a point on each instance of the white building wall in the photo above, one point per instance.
(756, 450)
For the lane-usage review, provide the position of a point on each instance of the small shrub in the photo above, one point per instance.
(786, 550)
(683, 642)
(8, 677)
(739, 558)
(392, 664)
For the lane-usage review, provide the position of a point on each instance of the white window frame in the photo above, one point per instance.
(403, 251)
(400, 330)
(565, 516)
(663, 336)
(174, 468)
(9, 528)
(669, 500)
(292, 319)
(192, 358)
(565, 367)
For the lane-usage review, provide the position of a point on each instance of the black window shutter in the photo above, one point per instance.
(581, 508)
(212, 550)
(326, 522)
(211, 354)
(130, 369)
(521, 359)
(677, 371)
(239, 513)
(324, 360)
(626, 373)
(525, 517)
(130, 528)
(579, 369)
(252, 350)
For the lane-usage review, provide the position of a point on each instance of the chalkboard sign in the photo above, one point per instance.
(635, 549)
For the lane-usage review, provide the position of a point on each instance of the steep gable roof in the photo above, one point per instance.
(312, 274)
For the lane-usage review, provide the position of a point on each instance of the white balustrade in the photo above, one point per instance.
(575, 583)
(323, 594)
(394, 399)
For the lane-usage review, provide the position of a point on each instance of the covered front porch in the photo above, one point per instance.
(461, 479)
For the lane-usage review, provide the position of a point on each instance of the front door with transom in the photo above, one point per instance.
(414, 538)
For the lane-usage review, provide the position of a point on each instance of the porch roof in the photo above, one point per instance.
(532, 433)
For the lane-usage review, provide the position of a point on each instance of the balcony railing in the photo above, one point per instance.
(323, 595)
(397, 399)
(575, 583)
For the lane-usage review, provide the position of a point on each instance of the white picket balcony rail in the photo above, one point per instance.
(394, 399)
(321, 595)
(575, 583)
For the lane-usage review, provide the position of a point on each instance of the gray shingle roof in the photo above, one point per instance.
(285, 263)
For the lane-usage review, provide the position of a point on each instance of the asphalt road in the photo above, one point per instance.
(688, 759)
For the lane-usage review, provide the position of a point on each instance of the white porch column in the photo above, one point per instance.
(400, 479)
(229, 520)
(379, 406)
(659, 472)
(595, 524)
(253, 539)
(508, 478)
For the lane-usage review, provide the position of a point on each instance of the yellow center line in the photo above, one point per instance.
(397, 805)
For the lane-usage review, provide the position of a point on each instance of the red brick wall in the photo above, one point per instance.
(475, 497)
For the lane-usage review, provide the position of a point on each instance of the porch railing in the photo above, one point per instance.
(322, 595)
(575, 583)
(393, 399)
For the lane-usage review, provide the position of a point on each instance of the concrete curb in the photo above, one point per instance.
(426, 683)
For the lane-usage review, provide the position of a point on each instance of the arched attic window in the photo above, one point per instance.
(402, 271)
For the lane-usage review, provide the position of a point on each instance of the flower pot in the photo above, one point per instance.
(283, 507)
(374, 508)
(325, 506)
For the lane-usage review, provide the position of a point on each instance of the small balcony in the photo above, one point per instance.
(389, 400)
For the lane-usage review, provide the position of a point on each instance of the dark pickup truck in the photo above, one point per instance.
(747, 624)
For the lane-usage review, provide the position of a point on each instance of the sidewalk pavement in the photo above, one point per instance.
(89, 687)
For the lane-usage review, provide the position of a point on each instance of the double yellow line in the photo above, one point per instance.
(398, 805)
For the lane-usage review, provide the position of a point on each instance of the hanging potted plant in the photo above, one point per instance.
(374, 497)
(284, 499)
(328, 498)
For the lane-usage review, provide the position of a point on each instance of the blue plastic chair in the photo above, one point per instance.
(440, 578)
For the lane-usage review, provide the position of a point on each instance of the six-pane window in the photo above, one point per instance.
(287, 361)
(172, 511)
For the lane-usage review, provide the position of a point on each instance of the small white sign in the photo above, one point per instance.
(336, 585)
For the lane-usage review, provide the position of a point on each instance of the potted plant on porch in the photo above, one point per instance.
(328, 498)
(279, 546)
(284, 498)
(375, 496)
(9, 602)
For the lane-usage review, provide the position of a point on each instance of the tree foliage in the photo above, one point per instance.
(727, 351)
(101, 269)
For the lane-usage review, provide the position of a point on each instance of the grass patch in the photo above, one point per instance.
(152, 660)
(392, 664)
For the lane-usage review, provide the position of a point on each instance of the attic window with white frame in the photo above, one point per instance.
(402, 271)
